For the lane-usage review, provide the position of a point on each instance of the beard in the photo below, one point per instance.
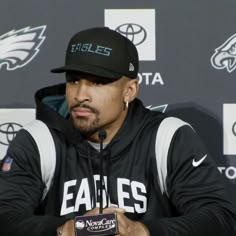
(85, 126)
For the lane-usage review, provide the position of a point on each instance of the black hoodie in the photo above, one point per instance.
(193, 204)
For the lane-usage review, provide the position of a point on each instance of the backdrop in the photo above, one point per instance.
(187, 54)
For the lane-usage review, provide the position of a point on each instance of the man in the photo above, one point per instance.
(158, 177)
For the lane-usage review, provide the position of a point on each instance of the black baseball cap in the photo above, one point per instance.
(101, 52)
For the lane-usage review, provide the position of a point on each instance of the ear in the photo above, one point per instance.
(131, 90)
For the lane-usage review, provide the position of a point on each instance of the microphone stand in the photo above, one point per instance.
(101, 224)
(102, 136)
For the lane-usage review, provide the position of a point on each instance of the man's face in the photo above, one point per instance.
(95, 102)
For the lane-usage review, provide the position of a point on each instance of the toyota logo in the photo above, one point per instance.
(134, 32)
(234, 128)
(8, 132)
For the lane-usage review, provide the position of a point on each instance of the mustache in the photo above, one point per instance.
(80, 105)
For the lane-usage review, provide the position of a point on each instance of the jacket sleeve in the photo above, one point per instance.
(195, 190)
(21, 190)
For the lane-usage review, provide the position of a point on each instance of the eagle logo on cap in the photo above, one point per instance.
(18, 48)
(225, 55)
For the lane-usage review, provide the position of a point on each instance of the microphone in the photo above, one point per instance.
(102, 136)
(101, 224)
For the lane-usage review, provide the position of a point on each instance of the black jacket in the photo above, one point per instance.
(193, 202)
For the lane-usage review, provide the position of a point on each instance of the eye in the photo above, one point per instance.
(72, 78)
(100, 81)
(73, 81)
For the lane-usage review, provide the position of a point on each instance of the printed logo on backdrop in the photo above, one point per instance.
(228, 171)
(8, 132)
(11, 121)
(138, 25)
(19, 47)
(134, 32)
(149, 78)
(161, 108)
(229, 128)
(225, 55)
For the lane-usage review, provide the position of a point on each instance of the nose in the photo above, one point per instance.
(82, 93)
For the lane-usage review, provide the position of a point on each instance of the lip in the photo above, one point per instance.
(82, 112)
